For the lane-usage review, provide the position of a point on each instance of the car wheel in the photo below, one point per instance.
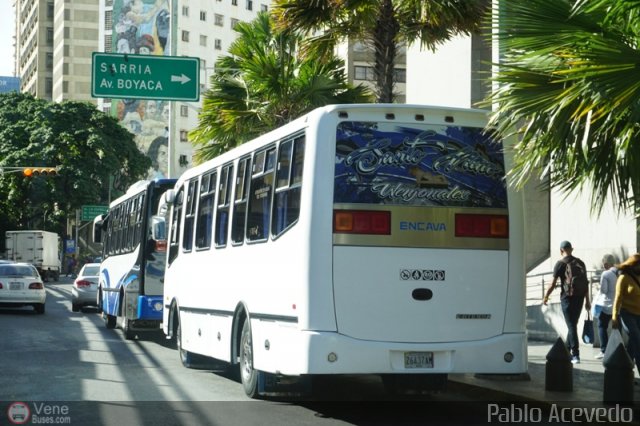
(75, 307)
(39, 308)
(248, 375)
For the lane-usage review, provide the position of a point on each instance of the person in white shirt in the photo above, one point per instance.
(603, 302)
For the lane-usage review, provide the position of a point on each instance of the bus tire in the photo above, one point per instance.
(125, 323)
(186, 357)
(109, 320)
(248, 376)
(99, 300)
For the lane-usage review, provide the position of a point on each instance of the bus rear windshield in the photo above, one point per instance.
(418, 165)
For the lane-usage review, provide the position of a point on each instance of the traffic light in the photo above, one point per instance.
(39, 171)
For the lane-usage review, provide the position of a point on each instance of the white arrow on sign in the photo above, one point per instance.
(181, 78)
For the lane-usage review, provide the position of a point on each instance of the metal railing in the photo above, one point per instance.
(537, 285)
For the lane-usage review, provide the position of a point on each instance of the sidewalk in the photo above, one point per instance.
(588, 381)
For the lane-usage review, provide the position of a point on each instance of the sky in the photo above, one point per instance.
(6, 37)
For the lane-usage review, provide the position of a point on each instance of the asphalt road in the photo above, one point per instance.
(67, 368)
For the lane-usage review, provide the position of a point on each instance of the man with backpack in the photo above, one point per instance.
(574, 291)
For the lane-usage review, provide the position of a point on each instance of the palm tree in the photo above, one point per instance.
(263, 84)
(382, 25)
(568, 87)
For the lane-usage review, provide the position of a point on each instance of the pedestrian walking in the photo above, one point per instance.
(572, 274)
(603, 301)
(626, 304)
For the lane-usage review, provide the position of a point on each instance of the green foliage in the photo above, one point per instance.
(264, 83)
(383, 25)
(569, 88)
(87, 145)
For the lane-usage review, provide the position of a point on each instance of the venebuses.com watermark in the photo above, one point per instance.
(20, 413)
(513, 413)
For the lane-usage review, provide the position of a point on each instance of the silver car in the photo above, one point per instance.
(85, 287)
(21, 285)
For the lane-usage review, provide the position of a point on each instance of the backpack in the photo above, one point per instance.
(575, 282)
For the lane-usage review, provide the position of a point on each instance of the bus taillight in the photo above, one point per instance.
(362, 222)
(482, 225)
(161, 245)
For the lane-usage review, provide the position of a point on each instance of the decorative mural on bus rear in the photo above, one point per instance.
(383, 163)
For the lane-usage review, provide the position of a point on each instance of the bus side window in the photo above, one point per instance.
(240, 201)
(259, 206)
(175, 225)
(224, 199)
(286, 208)
(204, 224)
(189, 215)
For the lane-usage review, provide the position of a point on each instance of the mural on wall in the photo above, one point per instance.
(142, 27)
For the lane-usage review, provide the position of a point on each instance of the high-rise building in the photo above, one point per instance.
(34, 46)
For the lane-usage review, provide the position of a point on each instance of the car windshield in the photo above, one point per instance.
(17, 271)
(90, 271)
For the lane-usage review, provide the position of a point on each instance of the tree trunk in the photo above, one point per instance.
(384, 41)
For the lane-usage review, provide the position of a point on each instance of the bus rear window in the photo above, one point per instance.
(418, 165)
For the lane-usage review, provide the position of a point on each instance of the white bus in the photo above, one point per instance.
(130, 286)
(358, 239)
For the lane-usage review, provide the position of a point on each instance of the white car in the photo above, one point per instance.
(21, 285)
(85, 287)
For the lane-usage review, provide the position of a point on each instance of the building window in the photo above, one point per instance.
(249, 4)
(50, 36)
(50, 9)
(48, 86)
(217, 44)
(108, 19)
(234, 2)
(185, 35)
(67, 14)
(185, 10)
(65, 68)
(184, 111)
(184, 136)
(49, 60)
(218, 19)
(400, 75)
(264, 7)
(203, 40)
(234, 22)
(65, 87)
(203, 15)
(364, 73)
(108, 39)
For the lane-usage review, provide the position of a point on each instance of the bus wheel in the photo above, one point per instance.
(248, 375)
(125, 323)
(109, 320)
(186, 357)
(99, 300)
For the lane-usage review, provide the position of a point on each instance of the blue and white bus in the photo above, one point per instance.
(358, 239)
(132, 269)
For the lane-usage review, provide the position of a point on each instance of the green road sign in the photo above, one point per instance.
(90, 212)
(173, 78)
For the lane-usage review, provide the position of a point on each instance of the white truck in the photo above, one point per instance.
(40, 248)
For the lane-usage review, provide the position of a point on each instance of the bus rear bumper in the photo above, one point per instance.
(333, 353)
(150, 308)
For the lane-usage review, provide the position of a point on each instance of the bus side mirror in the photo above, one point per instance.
(159, 233)
(169, 196)
(98, 223)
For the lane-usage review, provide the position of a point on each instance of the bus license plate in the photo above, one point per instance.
(15, 286)
(418, 360)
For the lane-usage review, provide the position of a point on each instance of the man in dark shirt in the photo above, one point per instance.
(571, 304)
